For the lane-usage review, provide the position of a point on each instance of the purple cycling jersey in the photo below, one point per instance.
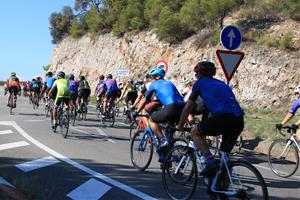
(111, 85)
(295, 106)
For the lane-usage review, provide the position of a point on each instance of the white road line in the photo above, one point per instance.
(34, 120)
(37, 164)
(13, 145)
(5, 132)
(92, 189)
(4, 182)
(77, 165)
(101, 133)
(267, 168)
(104, 134)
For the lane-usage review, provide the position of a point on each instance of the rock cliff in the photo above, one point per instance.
(263, 79)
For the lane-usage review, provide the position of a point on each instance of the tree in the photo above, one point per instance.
(152, 11)
(46, 68)
(191, 15)
(85, 5)
(169, 27)
(216, 10)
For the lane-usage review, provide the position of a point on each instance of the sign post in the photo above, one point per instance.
(231, 38)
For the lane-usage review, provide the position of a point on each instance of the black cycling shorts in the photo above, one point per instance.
(13, 89)
(84, 93)
(170, 113)
(131, 96)
(227, 125)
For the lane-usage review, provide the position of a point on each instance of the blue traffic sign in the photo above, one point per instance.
(231, 37)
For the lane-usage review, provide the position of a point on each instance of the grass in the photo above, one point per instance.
(260, 123)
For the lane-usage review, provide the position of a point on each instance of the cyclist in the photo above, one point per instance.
(111, 89)
(74, 90)
(48, 83)
(13, 87)
(63, 94)
(99, 90)
(84, 91)
(169, 97)
(131, 94)
(227, 115)
(35, 88)
(291, 114)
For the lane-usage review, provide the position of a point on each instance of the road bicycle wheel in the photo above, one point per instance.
(133, 127)
(283, 157)
(179, 173)
(247, 182)
(64, 124)
(141, 150)
(47, 109)
(111, 116)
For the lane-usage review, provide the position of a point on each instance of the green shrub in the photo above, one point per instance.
(285, 42)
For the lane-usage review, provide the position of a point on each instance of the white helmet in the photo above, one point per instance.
(297, 89)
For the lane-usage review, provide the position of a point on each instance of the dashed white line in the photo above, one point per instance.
(92, 189)
(104, 134)
(99, 131)
(4, 182)
(267, 168)
(5, 132)
(77, 165)
(13, 145)
(37, 164)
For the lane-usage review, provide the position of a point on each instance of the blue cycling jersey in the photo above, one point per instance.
(50, 81)
(165, 91)
(217, 96)
(295, 106)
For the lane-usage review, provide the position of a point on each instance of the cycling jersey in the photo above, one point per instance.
(165, 91)
(49, 82)
(13, 82)
(295, 106)
(111, 85)
(73, 86)
(83, 85)
(63, 88)
(35, 85)
(217, 96)
(100, 86)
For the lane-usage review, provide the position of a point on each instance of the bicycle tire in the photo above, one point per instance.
(133, 126)
(246, 180)
(183, 183)
(286, 165)
(64, 124)
(141, 148)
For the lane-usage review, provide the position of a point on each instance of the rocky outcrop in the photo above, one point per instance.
(263, 79)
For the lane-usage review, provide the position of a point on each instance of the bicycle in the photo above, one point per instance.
(82, 112)
(215, 141)
(283, 154)
(35, 101)
(73, 114)
(234, 180)
(48, 106)
(110, 115)
(142, 145)
(11, 102)
(136, 125)
(63, 120)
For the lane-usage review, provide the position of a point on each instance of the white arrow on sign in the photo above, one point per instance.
(229, 61)
(231, 35)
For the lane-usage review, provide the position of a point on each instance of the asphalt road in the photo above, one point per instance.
(93, 162)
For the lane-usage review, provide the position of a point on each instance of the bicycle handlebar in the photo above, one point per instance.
(290, 129)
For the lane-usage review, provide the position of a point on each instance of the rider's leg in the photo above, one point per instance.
(105, 104)
(298, 136)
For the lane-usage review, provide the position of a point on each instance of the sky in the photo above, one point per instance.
(25, 40)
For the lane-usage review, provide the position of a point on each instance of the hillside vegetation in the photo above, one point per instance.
(172, 20)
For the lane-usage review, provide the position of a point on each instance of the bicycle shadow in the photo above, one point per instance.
(251, 144)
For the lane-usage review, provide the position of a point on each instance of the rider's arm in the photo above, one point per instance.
(138, 99)
(123, 91)
(185, 113)
(141, 105)
(52, 89)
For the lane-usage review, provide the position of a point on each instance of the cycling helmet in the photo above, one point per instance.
(49, 74)
(205, 68)
(82, 77)
(13, 74)
(101, 77)
(297, 89)
(109, 76)
(157, 72)
(71, 77)
(61, 74)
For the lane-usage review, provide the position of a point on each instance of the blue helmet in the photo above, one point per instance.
(61, 74)
(157, 72)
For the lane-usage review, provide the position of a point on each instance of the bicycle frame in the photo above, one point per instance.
(289, 143)
(152, 137)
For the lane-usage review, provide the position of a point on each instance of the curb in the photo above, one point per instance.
(12, 192)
